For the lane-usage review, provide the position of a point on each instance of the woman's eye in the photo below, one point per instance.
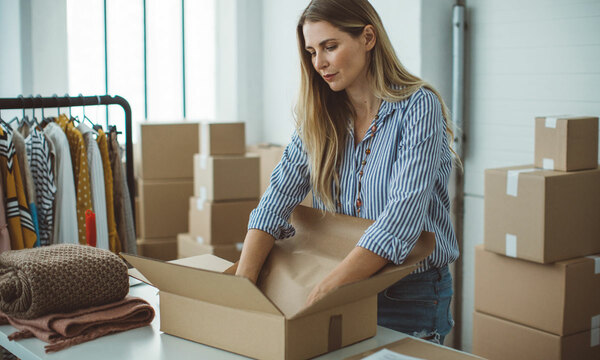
(331, 48)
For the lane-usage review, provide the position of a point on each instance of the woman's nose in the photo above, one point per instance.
(320, 62)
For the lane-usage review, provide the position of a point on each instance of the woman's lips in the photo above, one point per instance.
(329, 77)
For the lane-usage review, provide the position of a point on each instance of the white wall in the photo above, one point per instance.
(10, 40)
(525, 58)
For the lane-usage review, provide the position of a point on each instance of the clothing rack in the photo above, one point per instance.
(71, 101)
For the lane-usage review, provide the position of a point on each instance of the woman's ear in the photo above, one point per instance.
(369, 37)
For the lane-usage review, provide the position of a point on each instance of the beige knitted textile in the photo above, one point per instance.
(59, 278)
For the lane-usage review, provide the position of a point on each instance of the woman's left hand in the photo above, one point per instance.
(358, 265)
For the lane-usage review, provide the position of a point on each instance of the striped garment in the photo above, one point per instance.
(404, 186)
(38, 153)
(20, 224)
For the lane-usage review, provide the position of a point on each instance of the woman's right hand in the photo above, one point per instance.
(257, 246)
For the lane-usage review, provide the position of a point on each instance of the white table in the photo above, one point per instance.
(149, 343)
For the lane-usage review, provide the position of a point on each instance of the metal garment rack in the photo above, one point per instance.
(71, 101)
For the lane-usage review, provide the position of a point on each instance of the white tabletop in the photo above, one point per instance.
(149, 343)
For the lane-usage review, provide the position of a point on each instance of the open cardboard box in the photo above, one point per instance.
(201, 300)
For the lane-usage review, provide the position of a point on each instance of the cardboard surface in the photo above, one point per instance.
(224, 178)
(560, 298)
(542, 215)
(498, 339)
(166, 150)
(161, 248)
(269, 155)
(164, 207)
(187, 246)
(566, 143)
(219, 223)
(231, 306)
(223, 139)
(420, 349)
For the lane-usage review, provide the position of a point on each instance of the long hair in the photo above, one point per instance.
(322, 115)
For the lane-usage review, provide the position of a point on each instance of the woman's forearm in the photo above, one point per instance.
(257, 246)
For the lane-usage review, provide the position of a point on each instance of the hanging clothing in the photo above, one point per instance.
(52, 154)
(4, 235)
(20, 224)
(123, 212)
(39, 155)
(65, 224)
(90, 228)
(113, 235)
(80, 173)
(19, 143)
(97, 186)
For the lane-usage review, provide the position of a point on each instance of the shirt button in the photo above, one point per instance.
(373, 128)
(358, 203)
(368, 151)
(364, 162)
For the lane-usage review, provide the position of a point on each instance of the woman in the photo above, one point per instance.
(372, 141)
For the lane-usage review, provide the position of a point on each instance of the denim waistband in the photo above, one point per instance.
(431, 274)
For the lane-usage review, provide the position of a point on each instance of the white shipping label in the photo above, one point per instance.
(596, 263)
(512, 181)
(199, 239)
(548, 164)
(385, 354)
(551, 122)
(595, 337)
(200, 203)
(596, 321)
(202, 162)
(511, 245)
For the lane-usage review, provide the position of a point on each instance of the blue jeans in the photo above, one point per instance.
(419, 305)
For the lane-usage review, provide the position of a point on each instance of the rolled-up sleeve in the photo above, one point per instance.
(396, 230)
(289, 184)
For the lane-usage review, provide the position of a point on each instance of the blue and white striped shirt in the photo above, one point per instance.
(404, 186)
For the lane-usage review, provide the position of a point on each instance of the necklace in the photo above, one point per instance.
(358, 204)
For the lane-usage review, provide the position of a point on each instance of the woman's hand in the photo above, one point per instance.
(358, 265)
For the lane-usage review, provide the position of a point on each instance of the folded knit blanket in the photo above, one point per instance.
(64, 330)
(59, 279)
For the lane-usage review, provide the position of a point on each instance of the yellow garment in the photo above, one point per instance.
(83, 188)
(20, 224)
(113, 236)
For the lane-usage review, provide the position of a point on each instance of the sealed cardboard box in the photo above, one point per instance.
(219, 223)
(498, 339)
(418, 349)
(166, 150)
(164, 207)
(188, 246)
(221, 178)
(269, 155)
(223, 139)
(566, 143)
(561, 298)
(542, 215)
(270, 321)
(160, 248)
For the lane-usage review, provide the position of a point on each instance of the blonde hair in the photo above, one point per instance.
(322, 114)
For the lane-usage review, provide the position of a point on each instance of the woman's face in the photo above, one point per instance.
(339, 58)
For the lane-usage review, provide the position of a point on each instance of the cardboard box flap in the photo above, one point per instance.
(297, 264)
(386, 277)
(205, 285)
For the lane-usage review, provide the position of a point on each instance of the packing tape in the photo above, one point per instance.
(596, 321)
(200, 203)
(511, 245)
(512, 180)
(595, 337)
(204, 138)
(202, 195)
(239, 246)
(596, 259)
(548, 164)
(551, 122)
(199, 239)
(202, 162)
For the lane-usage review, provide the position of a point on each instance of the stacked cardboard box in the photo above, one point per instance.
(226, 189)
(537, 282)
(164, 184)
(270, 155)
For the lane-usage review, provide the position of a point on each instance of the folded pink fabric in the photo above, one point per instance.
(64, 330)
